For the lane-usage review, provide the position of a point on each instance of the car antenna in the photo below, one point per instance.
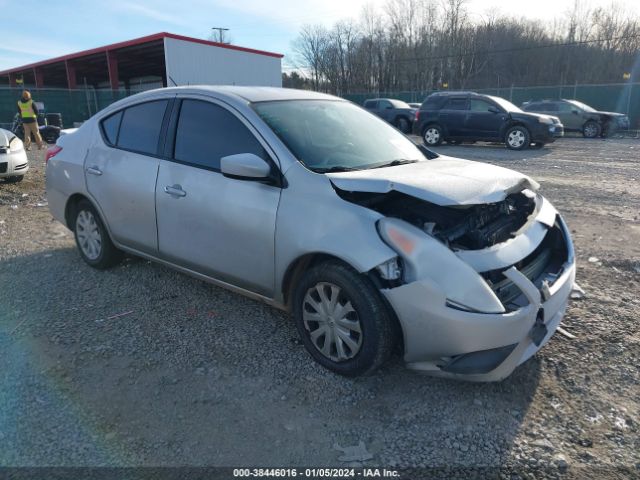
(174, 82)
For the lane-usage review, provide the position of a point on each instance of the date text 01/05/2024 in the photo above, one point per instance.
(316, 472)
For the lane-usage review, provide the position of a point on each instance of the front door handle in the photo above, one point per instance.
(94, 171)
(175, 190)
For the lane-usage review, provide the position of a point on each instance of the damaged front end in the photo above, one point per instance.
(479, 288)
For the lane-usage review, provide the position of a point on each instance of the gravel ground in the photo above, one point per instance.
(141, 365)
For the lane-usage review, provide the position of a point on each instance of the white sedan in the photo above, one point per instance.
(13, 159)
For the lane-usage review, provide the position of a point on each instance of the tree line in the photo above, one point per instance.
(422, 45)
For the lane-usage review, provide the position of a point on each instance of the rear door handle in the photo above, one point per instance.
(94, 171)
(175, 190)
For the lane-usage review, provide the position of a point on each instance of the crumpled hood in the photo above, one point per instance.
(445, 181)
(5, 136)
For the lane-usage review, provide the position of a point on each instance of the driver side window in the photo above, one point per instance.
(476, 105)
(207, 132)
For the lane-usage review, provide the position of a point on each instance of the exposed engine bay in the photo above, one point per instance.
(464, 227)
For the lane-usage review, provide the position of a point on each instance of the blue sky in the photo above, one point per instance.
(42, 29)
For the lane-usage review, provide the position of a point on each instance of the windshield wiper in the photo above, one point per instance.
(394, 163)
(335, 169)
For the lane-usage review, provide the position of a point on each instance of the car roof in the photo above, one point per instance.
(459, 93)
(249, 94)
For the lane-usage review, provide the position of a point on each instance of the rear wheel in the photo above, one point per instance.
(591, 129)
(517, 138)
(432, 135)
(342, 320)
(402, 124)
(92, 238)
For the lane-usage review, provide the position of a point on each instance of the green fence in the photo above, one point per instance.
(79, 105)
(74, 105)
(616, 97)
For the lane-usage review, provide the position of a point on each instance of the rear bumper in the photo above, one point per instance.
(13, 164)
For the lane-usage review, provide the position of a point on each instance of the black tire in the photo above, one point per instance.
(377, 335)
(517, 138)
(432, 135)
(591, 129)
(402, 124)
(108, 255)
(15, 179)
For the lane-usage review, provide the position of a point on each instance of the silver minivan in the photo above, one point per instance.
(313, 205)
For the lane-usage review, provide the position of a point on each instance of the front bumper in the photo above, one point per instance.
(545, 133)
(13, 164)
(446, 341)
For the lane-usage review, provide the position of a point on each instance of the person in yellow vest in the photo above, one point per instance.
(29, 114)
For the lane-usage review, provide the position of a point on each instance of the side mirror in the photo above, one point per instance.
(493, 109)
(245, 166)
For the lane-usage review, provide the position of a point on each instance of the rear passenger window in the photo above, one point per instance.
(457, 104)
(207, 132)
(370, 104)
(140, 127)
(110, 126)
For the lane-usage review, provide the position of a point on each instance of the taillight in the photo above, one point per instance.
(417, 115)
(52, 152)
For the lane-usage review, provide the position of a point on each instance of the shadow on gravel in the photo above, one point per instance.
(145, 366)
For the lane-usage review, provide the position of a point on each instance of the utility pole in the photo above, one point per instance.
(220, 37)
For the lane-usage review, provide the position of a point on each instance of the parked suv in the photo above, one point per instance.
(396, 112)
(579, 117)
(466, 116)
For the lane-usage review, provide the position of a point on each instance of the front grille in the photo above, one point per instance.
(20, 167)
(545, 263)
(3, 167)
(4, 149)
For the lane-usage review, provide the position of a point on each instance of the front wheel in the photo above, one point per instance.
(432, 135)
(591, 129)
(517, 138)
(342, 320)
(92, 238)
(15, 179)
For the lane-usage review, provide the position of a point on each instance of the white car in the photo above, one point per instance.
(13, 159)
(312, 204)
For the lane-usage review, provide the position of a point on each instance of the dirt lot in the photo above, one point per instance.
(144, 366)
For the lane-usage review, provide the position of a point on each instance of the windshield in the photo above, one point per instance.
(581, 105)
(506, 104)
(329, 135)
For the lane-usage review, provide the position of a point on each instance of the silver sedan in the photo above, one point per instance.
(313, 205)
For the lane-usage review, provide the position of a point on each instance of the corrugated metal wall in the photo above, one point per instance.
(189, 63)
